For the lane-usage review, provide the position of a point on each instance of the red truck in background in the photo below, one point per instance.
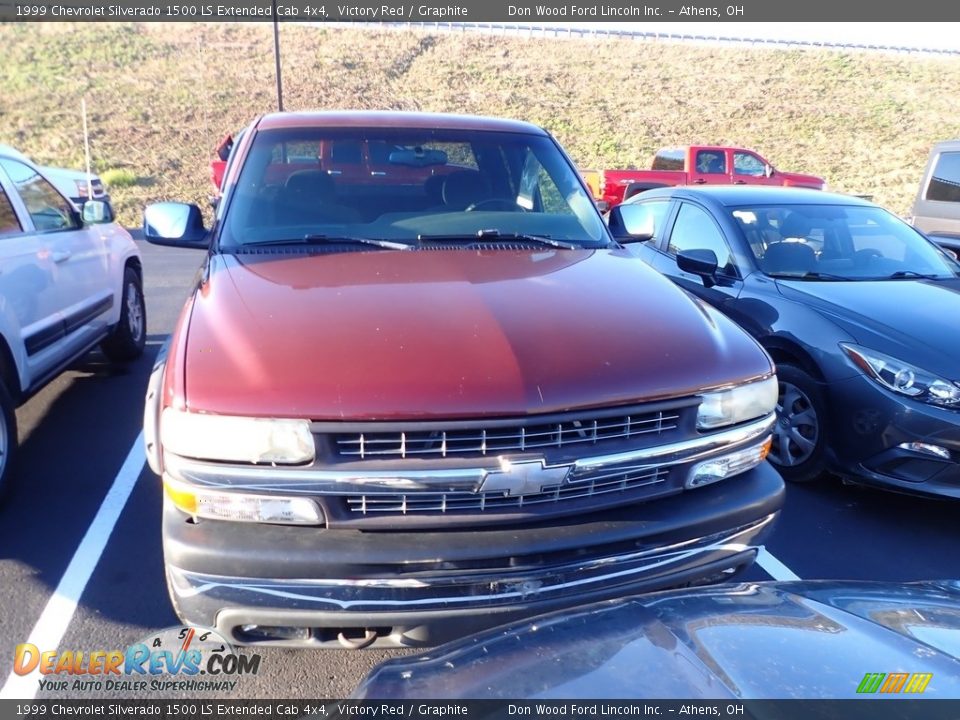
(348, 161)
(693, 165)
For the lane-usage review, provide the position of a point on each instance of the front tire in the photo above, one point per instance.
(128, 338)
(8, 437)
(799, 435)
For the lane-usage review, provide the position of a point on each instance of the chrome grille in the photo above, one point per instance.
(447, 502)
(500, 439)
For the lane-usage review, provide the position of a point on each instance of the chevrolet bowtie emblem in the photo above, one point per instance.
(523, 478)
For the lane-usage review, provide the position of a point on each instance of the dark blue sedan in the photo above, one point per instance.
(860, 312)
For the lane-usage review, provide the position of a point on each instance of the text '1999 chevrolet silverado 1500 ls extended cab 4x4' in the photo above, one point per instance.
(394, 416)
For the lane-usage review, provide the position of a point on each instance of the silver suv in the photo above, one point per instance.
(936, 211)
(68, 282)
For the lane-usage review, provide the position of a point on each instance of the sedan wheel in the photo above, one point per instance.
(797, 448)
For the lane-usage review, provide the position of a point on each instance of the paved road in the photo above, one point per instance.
(78, 432)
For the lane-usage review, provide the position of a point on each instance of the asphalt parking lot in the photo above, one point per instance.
(80, 457)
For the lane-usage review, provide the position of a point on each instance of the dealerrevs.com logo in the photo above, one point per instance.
(178, 658)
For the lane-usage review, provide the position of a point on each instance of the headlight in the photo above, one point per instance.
(737, 404)
(236, 439)
(904, 378)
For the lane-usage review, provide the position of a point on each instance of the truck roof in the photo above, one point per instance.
(388, 119)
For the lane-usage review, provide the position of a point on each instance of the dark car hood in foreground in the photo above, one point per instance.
(916, 319)
(371, 335)
(808, 640)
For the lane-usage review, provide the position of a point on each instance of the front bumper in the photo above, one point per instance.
(869, 425)
(303, 586)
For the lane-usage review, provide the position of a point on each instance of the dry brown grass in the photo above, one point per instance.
(161, 95)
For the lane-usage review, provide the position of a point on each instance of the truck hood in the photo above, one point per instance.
(913, 320)
(374, 335)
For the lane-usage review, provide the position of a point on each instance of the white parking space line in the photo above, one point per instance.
(56, 616)
(773, 567)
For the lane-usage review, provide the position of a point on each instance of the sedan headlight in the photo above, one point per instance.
(236, 439)
(737, 404)
(904, 378)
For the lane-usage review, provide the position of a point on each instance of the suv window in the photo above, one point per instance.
(9, 225)
(945, 179)
(747, 164)
(48, 208)
(696, 230)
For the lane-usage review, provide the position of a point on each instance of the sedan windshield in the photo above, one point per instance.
(832, 242)
(413, 186)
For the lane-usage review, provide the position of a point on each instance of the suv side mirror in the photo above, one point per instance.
(631, 223)
(699, 262)
(174, 224)
(94, 212)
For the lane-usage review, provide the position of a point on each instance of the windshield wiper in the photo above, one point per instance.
(494, 235)
(911, 274)
(811, 275)
(331, 239)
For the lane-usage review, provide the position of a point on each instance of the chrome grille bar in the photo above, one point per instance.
(488, 441)
(426, 502)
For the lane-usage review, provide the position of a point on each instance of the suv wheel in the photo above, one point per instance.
(8, 436)
(798, 438)
(127, 340)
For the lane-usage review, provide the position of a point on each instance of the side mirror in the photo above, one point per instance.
(602, 206)
(631, 223)
(699, 262)
(94, 212)
(768, 170)
(174, 224)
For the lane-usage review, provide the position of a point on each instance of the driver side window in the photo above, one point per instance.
(694, 229)
(747, 164)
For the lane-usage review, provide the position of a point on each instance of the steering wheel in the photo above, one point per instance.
(496, 204)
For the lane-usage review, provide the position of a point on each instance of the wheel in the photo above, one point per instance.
(798, 438)
(127, 339)
(496, 204)
(8, 436)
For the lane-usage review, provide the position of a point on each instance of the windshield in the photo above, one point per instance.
(833, 242)
(409, 186)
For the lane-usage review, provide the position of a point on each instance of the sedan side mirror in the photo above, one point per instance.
(768, 170)
(699, 262)
(94, 212)
(174, 224)
(631, 223)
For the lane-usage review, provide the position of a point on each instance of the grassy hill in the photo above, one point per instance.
(159, 96)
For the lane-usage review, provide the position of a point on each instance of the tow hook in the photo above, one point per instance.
(369, 636)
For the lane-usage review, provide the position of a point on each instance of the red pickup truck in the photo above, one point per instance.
(694, 165)
(388, 420)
